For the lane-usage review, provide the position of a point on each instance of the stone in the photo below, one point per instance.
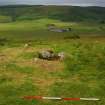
(26, 45)
(46, 54)
(35, 59)
(50, 55)
(61, 55)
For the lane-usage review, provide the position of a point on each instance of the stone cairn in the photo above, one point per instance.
(50, 55)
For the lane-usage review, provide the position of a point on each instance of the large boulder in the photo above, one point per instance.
(50, 55)
(46, 54)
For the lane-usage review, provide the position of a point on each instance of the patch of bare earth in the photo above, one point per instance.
(45, 84)
(15, 78)
(50, 65)
(42, 64)
(9, 54)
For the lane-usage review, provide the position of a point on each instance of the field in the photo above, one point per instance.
(80, 74)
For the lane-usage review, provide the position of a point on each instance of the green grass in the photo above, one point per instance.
(5, 19)
(36, 29)
(82, 74)
(63, 13)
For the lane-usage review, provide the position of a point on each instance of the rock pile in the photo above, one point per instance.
(50, 55)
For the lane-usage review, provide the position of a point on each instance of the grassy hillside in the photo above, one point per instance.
(64, 13)
(80, 74)
(38, 30)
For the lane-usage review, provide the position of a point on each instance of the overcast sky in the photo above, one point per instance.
(55, 2)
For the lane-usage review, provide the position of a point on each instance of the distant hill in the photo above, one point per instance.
(63, 13)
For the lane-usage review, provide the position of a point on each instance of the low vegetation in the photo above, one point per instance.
(63, 13)
(80, 74)
(20, 75)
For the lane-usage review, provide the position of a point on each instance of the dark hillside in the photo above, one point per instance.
(64, 13)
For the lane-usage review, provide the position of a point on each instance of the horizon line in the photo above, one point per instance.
(51, 5)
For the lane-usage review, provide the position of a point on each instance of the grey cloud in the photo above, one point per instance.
(56, 2)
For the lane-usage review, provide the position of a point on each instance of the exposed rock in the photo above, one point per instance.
(46, 54)
(50, 55)
(26, 45)
(61, 55)
(54, 28)
(35, 59)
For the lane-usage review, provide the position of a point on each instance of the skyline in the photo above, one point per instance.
(55, 2)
